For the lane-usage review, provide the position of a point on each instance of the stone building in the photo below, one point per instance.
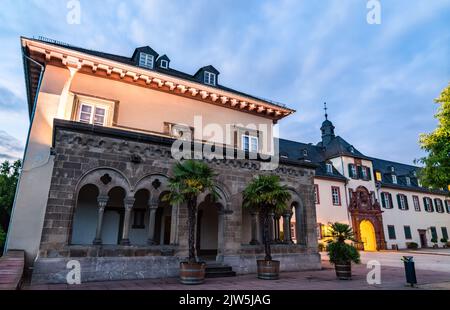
(99, 154)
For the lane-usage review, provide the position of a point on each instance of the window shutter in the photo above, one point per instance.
(383, 200)
(398, 201)
(447, 206)
(390, 200)
(369, 174)
(360, 175)
(425, 204)
(406, 202)
(350, 171)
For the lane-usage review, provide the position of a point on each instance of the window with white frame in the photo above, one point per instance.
(416, 203)
(164, 64)
(402, 202)
(146, 60)
(336, 195)
(439, 206)
(249, 143)
(394, 179)
(92, 114)
(386, 200)
(353, 172)
(408, 181)
(329, 168)
(364, 172)
(428, 204)
(210, 78)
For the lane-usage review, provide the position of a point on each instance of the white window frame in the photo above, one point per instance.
(364, 173)
(402, 199)
(146, 60)
(428, 204)
(164, 64)
(91, 117)
(354, 171)
(416, 203)
(394, 179)
(209, 78)
(387, 201)
(335, 196)
(439, 205)
(408, 181)
(251, 139)
(329, 168)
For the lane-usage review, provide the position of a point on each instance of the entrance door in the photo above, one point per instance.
(367, 232)
(423, 238)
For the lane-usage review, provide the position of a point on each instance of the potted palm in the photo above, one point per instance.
(341, 253)
(190, 179)
(266, 195)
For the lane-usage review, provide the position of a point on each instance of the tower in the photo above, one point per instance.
(327, 128)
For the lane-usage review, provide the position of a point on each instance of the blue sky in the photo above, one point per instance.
(379, 80)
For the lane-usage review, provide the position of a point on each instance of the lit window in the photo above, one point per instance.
(210, 78)
(408, 181)
(394, 179)
(91, 114)
(249, 143)
(378, 175)
(329, 168)
(336, 195)
(416, 203)
(164, 64)
(146, 60)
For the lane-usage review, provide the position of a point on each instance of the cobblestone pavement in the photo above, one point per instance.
(325, 279)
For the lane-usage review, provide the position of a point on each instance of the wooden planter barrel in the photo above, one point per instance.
(192, 273)
(268, 269)
(343, 271)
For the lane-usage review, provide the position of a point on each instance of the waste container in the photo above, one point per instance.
(410, 270)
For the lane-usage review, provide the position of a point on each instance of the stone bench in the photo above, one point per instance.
(11, 270)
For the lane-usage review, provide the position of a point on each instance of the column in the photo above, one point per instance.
(300, 232)
(287, 227)
(277, 228)
(271, 227)
(128, 202)
(102, 201)
(151, 225)
(254, 240)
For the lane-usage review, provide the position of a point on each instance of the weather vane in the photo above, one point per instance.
(325, 108)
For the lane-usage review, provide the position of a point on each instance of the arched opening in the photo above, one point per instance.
(113, 216)
(208, 229)
(368, 238)
(85, 217)
(163, 221)
(139, 218)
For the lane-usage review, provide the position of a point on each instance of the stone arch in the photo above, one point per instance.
(299, 212)
(155, 184)
(224, 196)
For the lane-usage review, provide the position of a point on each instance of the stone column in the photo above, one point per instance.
(151, 225)
(174, 225)
(271, 227)
(102, 201)
(128, 202)
(277, 228)
(287, 227)
(299, 226)
(254, 240)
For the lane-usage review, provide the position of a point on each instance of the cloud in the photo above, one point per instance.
(10, 147)
(9, 101)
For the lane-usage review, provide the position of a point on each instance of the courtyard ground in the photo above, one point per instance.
(432, 270)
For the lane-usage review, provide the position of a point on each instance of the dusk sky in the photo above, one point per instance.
(379, 80)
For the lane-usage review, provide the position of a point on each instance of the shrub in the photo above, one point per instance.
(412, 245)
(341, 252)
(444, 240)
(434, 240)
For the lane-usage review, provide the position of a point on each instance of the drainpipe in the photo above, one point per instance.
(346, 191)
(41, 74)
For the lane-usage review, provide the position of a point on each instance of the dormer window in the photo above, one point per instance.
(164, 64)
(352, 149)
(394, 179)
(305, 153)
(408, 181)
(392, 169)
(415, 173)
(210, 78)
(146, 60)
(329, 168)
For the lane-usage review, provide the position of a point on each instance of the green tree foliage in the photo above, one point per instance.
(9, 175)
(436, 171)
(190, 179)
(266, 195)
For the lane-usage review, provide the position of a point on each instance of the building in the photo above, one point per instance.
(100, 151)
(382, 200)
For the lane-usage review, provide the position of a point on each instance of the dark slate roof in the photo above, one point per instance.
(401, 171)
(131, 61)
(339, 147)
(295, 151)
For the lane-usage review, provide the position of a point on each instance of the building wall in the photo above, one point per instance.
(326, 211)
(341, 164)
(416, 220)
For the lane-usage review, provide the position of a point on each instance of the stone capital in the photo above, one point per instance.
(128, 202)
(102, 201)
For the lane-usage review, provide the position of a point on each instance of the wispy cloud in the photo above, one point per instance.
(10, 148)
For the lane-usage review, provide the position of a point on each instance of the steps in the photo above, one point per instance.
(215, 270)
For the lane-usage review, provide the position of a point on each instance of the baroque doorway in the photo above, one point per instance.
(368, 236)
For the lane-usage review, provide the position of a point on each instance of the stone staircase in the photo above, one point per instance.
(216, 270)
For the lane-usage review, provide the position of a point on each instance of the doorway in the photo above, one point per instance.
(207, 230)
(423, 238)
(368, 237)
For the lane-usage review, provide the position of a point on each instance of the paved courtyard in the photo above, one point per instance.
(432, 269)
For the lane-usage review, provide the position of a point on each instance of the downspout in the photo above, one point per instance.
(346, 191)
(41, 74)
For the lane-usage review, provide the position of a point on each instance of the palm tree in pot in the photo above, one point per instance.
(190, 179)
(340, 252)
(266, 195)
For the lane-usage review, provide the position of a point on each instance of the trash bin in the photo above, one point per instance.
(410, 270)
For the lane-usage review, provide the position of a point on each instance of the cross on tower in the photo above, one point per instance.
(325, 108)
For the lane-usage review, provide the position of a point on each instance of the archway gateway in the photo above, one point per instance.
(207, 235)
(368, 236)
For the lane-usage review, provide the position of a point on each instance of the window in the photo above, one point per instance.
(352, 171)
(416, 203)
(364, 173)
(210, 78)
(316, 194)
(392, 169)
(352, 149)
(336, 195)
(386, 200)
(419, 183)
(164, 64)
(444, 232)
(439, 206)
(447, 206)
(146, 60)
(91, 114)
(428, 204)
(408, 181)
(329, 168)
(378, 176)
(305, 153)
(394, 179)
(139, 218)
(249, 143)
(433, 232)
(414, 173)
(391, 232)
(407, 232)
(179, 131)
(402, 202)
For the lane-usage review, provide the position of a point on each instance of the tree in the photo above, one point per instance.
(9, 175)
(436, 170)
(339, 251)
(190, 179)
(266, 195)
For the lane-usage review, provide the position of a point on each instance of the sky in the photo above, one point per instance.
(379, 80)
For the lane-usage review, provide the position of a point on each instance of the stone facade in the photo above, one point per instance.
(108, 158)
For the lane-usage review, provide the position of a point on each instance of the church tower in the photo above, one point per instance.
(327, 129)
